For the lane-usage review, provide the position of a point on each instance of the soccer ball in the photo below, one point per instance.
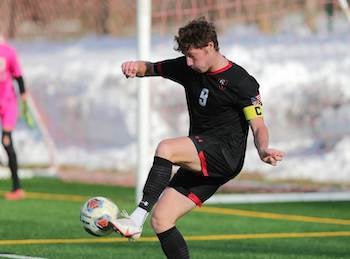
(95, 215)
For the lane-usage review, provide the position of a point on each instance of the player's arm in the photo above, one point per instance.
(22, 89)
(138, 68)
(261, 140)
(16, 73)
(25, 111)
(250, 101)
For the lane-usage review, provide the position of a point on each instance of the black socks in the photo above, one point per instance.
(173, 244)
(158, 178)
(12, 158)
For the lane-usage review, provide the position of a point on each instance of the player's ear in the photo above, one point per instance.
(210, 47)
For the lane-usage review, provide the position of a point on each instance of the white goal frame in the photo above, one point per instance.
(144, 42)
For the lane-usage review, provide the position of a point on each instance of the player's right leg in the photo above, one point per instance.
(180, 151)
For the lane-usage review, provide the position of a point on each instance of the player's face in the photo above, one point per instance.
(198, 59)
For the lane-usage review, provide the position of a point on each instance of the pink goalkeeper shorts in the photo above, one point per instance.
(8, 113)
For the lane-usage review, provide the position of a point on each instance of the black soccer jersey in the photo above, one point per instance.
(215, 100)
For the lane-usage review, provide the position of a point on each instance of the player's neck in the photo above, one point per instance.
(219, 62)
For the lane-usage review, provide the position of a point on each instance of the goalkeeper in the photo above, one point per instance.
(9, 70)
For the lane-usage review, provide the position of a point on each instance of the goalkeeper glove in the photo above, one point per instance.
(26, 115)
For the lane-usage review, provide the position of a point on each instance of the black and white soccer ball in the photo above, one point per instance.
(95, 215)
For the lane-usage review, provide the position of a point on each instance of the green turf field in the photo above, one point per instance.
(46, 225)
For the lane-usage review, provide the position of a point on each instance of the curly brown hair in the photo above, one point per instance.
(196, 34)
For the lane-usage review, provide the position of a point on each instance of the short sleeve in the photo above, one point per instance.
(248, 92)
(249, 98)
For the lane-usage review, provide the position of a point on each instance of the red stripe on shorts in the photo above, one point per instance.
(203, 163)
(195, 199)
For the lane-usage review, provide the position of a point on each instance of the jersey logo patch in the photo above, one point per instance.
(223, 84)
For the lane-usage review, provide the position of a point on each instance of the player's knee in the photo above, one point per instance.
(6, 140)
(164, 150)
(161, 222)
(7, 143)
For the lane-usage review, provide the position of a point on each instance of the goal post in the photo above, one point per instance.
(143, 39)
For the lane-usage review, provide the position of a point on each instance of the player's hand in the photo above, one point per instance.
(26, 114)
(271, 156)
(130, 68)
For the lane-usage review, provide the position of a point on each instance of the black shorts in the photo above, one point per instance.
(196, 187)
(218, 167)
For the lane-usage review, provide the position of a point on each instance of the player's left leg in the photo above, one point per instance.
(17, 193)
(171, 206)
(9, 119)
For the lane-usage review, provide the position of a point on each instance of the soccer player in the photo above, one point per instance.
(223, 101)
(10, 69)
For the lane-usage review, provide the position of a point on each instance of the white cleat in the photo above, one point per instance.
(127, 227)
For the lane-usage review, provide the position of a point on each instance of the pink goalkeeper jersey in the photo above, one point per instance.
(9, 68)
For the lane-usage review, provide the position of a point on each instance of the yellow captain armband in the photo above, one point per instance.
(253, 111)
